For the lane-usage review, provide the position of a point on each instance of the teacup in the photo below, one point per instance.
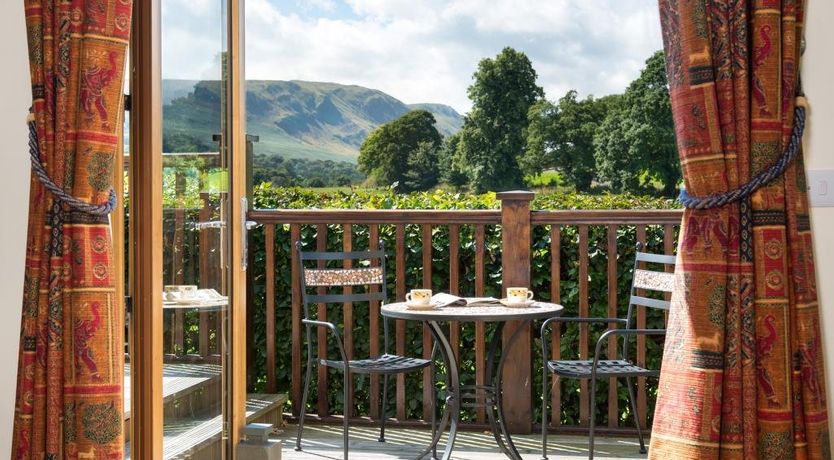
(419, 296)
(188, 291)
(175, 292)
(519, 294)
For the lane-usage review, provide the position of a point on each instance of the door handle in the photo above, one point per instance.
(245, 226)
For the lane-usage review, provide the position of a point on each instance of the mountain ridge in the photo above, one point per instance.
(293, 118)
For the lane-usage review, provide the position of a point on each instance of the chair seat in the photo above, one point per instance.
(605, 368)
(385, 364)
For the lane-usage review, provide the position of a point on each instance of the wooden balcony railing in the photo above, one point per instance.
(581, 256)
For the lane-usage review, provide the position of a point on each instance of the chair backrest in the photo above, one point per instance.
(648, 279)
(367, 269)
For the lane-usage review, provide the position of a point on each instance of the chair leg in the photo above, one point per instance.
(383, 403)
(633, 402)
(592, 416)
(544, 410)
(346, 411)
(304, 404)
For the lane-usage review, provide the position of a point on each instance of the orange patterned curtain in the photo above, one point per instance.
(742, 368)
(70, 372)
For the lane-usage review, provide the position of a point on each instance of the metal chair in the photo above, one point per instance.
(647, 280)
(362, 273)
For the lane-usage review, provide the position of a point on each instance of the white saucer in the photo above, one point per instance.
(422, 306)
(524, 304)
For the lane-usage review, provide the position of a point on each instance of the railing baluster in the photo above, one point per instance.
(556, 332)
(613, 399)
(348, 316)
(322, 402)
(269, 241)
(178, 268)
(400, 340)
(427, 339)
(641, 341)
(373, 319)
(480, 328)
(205, 277)
(295, 302)
(583, 313)
(454, 283)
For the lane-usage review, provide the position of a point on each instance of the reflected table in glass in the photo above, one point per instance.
(488, 395)
(214, 305)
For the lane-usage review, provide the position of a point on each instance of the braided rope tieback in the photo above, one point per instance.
(764, 177)
(58, 192)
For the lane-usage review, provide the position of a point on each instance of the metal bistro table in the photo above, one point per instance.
(489, 395)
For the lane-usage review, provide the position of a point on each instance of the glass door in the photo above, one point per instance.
(196, 221)
(187, 277)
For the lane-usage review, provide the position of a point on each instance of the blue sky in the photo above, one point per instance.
(420, 50)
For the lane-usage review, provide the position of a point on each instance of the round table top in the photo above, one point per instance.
(490, 312)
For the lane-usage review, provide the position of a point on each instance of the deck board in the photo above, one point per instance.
(178, 379)
(325, 442)
(185, 437)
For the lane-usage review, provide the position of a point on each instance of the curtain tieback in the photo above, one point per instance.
(762, 178)
(58, 192)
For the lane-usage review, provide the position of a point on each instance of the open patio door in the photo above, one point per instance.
(187, 221)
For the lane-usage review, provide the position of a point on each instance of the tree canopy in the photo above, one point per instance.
(403, 152)
(492, 137)
(561, 136)
(635, 144)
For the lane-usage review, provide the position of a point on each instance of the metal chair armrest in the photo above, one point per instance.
(568, 319)
(332, 328)
(605, 335)
(562, 319)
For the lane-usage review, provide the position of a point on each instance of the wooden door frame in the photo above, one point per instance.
(146, 224)
(146, 229)
(237, 190)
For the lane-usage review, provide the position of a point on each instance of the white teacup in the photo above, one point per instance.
(519, 294)
(188, 291)
(419, 296)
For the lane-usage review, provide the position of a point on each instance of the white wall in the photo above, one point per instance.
(15, 98)
(817, 75)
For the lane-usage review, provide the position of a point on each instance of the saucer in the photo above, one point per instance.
(422, 306)
(524, 304)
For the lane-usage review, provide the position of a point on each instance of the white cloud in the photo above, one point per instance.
(426, 51)
(322, 5)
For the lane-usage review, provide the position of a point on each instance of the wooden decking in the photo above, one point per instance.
(192, 427)
(187, 439)
(325, 442)
(178, 380)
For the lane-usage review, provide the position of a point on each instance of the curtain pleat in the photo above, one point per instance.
(742, 374)
(69, 401)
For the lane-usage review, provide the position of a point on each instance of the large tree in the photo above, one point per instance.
(492, 137)
(635, 144)
(403, 152)
(452, 171)
(561, 136)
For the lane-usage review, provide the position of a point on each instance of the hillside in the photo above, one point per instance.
(294, 119)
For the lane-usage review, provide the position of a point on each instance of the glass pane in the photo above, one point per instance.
(195, 187)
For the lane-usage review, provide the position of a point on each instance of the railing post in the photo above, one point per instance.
(515, 265)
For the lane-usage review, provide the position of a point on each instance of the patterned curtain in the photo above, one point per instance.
(743, 366)
(70, 372)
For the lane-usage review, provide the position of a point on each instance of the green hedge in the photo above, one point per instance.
(267, 197)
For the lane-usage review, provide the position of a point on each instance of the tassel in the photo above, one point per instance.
(802, 101)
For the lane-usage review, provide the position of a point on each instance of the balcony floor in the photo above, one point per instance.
(325, 442)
